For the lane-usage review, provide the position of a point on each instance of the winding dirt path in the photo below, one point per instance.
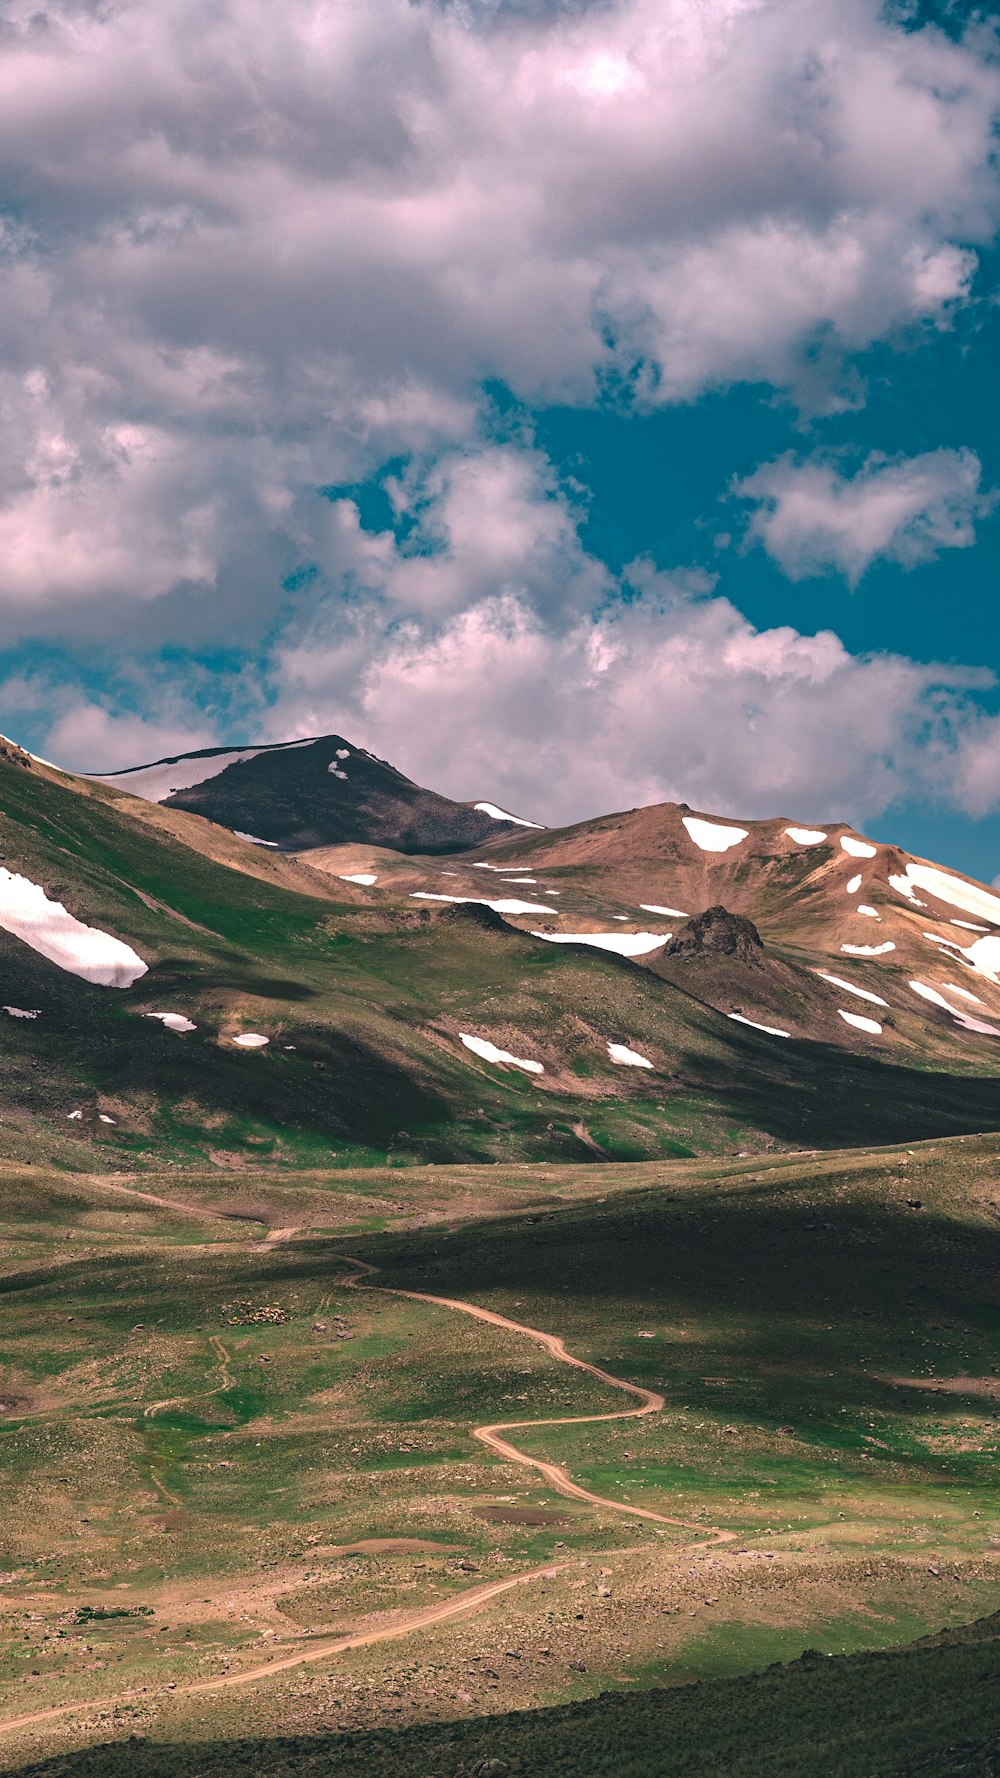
(318, 1651)
(651, 1402)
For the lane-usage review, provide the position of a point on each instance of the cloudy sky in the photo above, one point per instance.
(580, 404)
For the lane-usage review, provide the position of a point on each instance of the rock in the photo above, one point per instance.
(718, 933)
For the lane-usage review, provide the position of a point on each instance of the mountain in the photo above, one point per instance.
(295, 795)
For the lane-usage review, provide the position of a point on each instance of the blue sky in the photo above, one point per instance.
(580, 405)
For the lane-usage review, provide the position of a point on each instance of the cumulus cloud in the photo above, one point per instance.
(259, 249)
(661, 689)
(813, 519)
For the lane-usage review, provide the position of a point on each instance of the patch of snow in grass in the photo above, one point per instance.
(868, 950)
(73, 1116)
(481, 866)
(343, 753)
(20, 1012)
(335, 771)
(366, 877)
(252, 840)
(862, 1024)
(712, 836)
(105, 1119)
(499, 814)
(948, 944)
(970, 897)
(509, 906)
(871, 913)
(805, 836)
(174, 1021)
(620, 1052)
(961, 1018)
(952, 989)
(619, 916)
(651, 907)
(857, 848)
(772, 1030)
(852, 988)
(27, 913)
(250, 1040)
(532, 880)
(970, 925)
(480, 1046)
(854, 885)
(552, 891)
(627, 944)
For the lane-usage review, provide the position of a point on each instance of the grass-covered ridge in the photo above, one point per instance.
(214, 1451)
(928, 1711)
(363, 1006)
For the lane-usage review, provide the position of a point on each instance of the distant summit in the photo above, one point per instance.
(295, 796)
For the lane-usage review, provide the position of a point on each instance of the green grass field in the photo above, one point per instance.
(216, 1455)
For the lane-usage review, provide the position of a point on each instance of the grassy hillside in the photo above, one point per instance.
(216, 1454)
(363, 1006)
(928, 1711)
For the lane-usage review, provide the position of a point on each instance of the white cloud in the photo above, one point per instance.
(262, 248)
(813, 519)
(661, 689)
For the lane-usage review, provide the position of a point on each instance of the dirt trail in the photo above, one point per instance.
(318, 1651)
(651, 1402)
(225, 1359)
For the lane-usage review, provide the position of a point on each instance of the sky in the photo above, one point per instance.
(579, 404)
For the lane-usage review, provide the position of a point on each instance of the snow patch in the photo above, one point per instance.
(903, 886)
(20, 1012)
(105, 1119)
(334, 769)
(480, 1046)
(366, 877)
(858, 1019)
(872, 913)
(531, 880)
(343, 753)
(252, 840)
(27, 913)
(619, 1052)
(970, 897)
(964, 992)
(772, 1030)
(627, 944)
(508, 906)
(984, 956)
(868, 950)
(651, 907)
(250, 1040)
(857, 848)
(960, 1017)
(970, 925)
(73, 1116)
(499, 814)
(852, 988)
(174, 1021)
(712, 836)
(805, 836)
(854, 885)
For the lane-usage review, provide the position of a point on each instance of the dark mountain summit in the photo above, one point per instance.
(298, 795)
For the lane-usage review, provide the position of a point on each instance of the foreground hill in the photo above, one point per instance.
(318, 792)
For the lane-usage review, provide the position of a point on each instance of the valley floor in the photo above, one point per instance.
(254, 1487)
